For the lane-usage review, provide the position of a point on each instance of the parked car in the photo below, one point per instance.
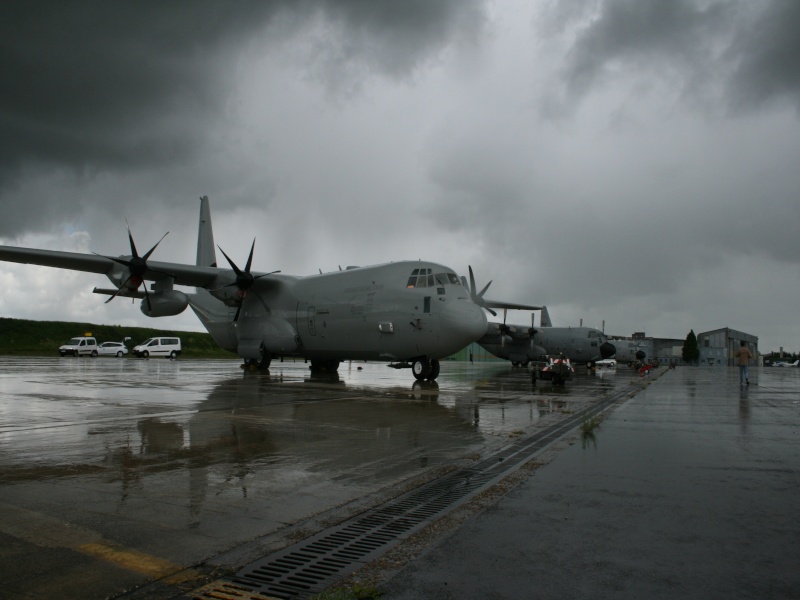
(117, 349)
(79, 346)
(169, 347)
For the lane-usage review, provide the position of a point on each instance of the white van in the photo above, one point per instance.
(158, 346)
(79, 346)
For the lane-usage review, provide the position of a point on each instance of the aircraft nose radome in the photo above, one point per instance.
(607, 349)
(464, 322)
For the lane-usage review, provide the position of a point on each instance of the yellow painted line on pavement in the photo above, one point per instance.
(139, 562)
(48, 532)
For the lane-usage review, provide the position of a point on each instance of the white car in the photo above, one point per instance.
(117, 349)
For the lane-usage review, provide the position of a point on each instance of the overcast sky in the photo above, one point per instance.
(631, 162)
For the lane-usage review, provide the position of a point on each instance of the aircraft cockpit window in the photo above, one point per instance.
(424, 278)
(421, 278)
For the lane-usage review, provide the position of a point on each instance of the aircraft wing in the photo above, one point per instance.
(91, 263)
(509, 305)
(188, 275)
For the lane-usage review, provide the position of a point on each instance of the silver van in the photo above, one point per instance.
(169, 347)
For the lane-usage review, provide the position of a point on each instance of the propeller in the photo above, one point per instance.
(532, 331)
(244, 279)
(505, 330)
(477, 297)
(137, 267)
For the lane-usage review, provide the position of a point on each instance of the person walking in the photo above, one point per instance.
(743, 356)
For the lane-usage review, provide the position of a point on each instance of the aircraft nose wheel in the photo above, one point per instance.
(425, 369)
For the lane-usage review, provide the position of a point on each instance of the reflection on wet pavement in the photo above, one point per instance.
(184, 459)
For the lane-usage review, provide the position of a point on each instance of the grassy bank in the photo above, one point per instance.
(42, 338)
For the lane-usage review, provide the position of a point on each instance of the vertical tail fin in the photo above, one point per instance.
(545, 318)
(206, 254)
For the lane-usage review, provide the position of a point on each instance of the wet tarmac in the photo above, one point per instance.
(688, 490)
(117, 473)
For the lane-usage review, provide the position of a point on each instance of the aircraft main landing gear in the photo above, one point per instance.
(258, 364)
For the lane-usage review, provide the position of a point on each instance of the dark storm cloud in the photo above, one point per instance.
(735, 55)
(117, 87)
(113, 83)
(768, 57)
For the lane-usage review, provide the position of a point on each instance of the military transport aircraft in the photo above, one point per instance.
(410, 313)
(521, 344)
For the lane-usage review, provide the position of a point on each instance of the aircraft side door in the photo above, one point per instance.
(425, 320)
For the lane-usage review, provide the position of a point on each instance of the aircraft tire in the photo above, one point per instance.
(434, 370)
(421, 369)
(258, 364)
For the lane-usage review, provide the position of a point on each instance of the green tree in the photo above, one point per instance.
(691, 351)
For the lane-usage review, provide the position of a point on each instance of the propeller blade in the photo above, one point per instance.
(119, 289)
(149, 252)
(477, 297)
(147, 298)
(130, 237)
(250, 257)
(121, 261)
(265, 274)
(230, 262)
(471, 280)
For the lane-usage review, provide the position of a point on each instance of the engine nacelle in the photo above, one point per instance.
(165, 304)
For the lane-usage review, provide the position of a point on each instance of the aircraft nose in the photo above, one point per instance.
(607, 349)
(464, 322)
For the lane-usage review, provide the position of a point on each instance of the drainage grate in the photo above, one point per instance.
(316, 563)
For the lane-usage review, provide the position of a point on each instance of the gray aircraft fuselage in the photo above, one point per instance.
(515, 343)
(363, 313)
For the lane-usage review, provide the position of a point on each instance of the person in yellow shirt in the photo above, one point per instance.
(743, 356)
